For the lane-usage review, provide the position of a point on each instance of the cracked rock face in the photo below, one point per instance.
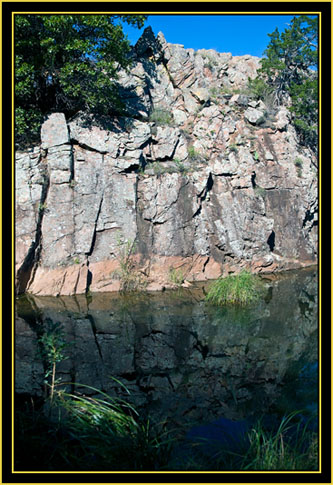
(203, 180)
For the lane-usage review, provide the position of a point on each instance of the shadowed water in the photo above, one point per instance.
(183, 361)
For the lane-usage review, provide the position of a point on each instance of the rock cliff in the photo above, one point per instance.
(201, 177)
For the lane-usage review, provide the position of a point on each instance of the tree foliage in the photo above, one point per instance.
(67, 63)
(289, 69)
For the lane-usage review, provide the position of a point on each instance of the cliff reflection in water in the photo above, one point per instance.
(182, 360)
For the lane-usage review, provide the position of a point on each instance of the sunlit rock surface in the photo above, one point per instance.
(204, 178)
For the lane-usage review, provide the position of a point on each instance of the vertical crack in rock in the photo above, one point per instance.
(89, 278)
(203, 194)
(309, 217)
(93, 239)
(72, 167)
(271, 241)
(171, 79)
(205, 264)
(253, 180)
(26, 272)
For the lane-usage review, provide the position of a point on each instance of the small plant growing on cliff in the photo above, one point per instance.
(176, 276)
(215, 94)
(158, 169)
(210, 62)
(243, 289)
(233, 148)
(259, 89)
(299, 165)
(260, 191)
(180, 167)
(193, 154)
(161, 117)
(130, 279)
(42, 206)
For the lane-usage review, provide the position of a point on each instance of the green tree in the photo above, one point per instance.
(67, 63)
(289, 68)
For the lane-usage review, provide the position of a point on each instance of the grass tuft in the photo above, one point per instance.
(289, 446)
(243, 289)
(279, 450)
(89, 433)
(130, 279)
(176, 276)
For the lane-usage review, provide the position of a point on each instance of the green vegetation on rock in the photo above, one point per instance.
(130, 279)
(67, 63)
(161, 117)
(289, 69)
(243, 289)
(176, 276)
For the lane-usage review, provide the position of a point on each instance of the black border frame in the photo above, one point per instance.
(7, 247)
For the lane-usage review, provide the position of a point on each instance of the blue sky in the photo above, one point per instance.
(238, 34)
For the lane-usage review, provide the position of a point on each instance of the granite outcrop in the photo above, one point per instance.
(198, 179)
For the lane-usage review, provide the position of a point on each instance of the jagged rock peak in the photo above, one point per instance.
(148, 45)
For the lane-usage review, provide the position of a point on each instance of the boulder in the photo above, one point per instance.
(254, 116)
(54, 131)
(282, 119)
(165, 142)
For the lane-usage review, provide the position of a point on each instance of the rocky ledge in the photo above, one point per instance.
(202, 178)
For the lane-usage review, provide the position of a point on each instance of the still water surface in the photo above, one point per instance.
(184, 362)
